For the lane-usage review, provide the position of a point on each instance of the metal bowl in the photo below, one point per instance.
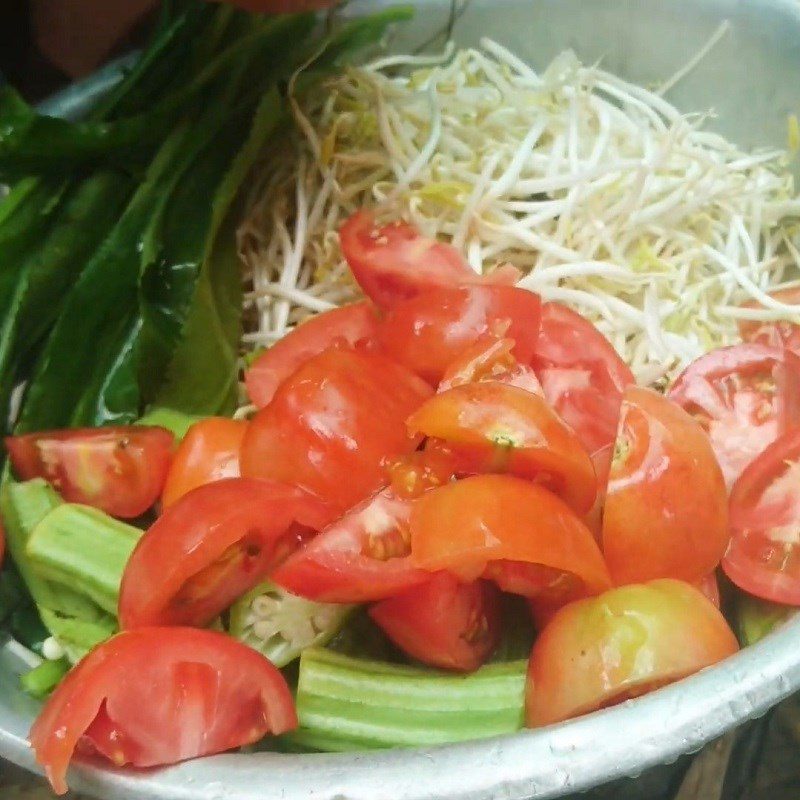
(750, 81)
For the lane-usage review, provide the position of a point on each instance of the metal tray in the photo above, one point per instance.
(750, 80)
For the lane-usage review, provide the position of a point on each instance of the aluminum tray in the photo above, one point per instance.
(750, 80)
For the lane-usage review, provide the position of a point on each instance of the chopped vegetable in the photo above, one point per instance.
(348, 703)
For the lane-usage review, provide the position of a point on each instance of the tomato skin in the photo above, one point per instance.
(364, 556)
(351, 324)
(428, 332)
(342, 413)
(495, 427)
(443, 622)
(157, 696)
(464, 526)
(581, 374)
(120, 470)
(490, 359)
(394, 262)
(209, 452)
(764, 554)
(779, 333)
(600, 651)
(212, 546)
(666, 513)
(744, 396)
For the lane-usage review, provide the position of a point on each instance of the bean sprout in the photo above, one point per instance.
(604, 194)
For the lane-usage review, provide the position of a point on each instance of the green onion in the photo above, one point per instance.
(347, 703)
(84, 549)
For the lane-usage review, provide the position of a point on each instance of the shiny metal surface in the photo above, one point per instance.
(750, 80)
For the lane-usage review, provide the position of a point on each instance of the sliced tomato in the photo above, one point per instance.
(120, 470)
(779, 333)
(443, 622)
(351, 324)
(158, 696)
(581, 374)
(334, 425)
(365, 556)
(666, 511)
(601, 460)
(494, 427)
(394, 262)
(490, 359)
(764, 553)
(417, 472)
(208, 453)
(212, 546)
(600, 651)
(744, 396)
(466, 525)
(428, 332)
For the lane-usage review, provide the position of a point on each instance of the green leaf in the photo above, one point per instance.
(83, 220)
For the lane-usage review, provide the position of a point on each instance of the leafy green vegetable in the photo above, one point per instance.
(84, 218)
(175, 421)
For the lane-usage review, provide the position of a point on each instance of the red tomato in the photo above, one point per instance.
(464, 526)
(395, 262)
(744, 396)
(490, 359)
(427, 333)
(334, 425)
(494, 427)
(208, 453)
(581, 374)
(780, 333)
(764, 553)
(709, 587)
(350, 324)
(601, 460)
(598, 652)
(210, 547)
(158, 696)
(417, 472)
(120, 470)
(364, 556)
(666, 511)
(444, 623)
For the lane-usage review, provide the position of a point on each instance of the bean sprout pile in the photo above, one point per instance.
(606, 196)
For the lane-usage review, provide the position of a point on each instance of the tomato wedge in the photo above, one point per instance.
(780, 333)
(764, 553)
(428, 332)
(351, 324)
(334, 424)
(443, 622)
(490, 359)
(666, 512)
(417, 472)
(581, 374)
(494, 427)
(208, 453)
(394, 262)
(464, 526)
(158, 696)
(744, 396)
(364, 556)
(598, 652)
(210, 547)
(120, 470)
(710, 588)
